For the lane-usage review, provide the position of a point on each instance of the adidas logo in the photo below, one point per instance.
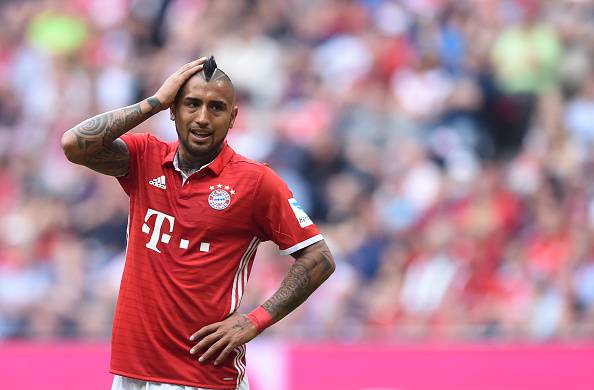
(158, 182)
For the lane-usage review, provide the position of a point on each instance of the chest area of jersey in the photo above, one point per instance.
(215, 203)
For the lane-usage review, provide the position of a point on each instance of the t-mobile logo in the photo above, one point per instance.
(157, 236)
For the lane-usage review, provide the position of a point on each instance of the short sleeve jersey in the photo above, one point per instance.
(191, 245)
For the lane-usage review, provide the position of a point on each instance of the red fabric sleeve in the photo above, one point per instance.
(280, 218)
(136, 143)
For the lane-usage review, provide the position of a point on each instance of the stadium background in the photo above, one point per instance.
(443, 147)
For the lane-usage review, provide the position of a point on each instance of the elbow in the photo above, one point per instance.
(318, 259)
(331, 266)
(325, 259)
(70, 147)
(327, 265)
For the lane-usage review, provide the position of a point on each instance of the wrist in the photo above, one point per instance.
(260, 318)
(155, 103)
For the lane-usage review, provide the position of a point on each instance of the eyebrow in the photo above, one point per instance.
(193, 99)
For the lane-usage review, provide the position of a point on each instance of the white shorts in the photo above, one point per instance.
(125, 383)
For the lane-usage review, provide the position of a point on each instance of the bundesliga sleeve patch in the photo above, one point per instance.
(300, 214)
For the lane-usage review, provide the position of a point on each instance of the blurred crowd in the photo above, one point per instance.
(442, 146)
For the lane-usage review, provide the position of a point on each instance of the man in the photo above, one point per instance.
(198, 211)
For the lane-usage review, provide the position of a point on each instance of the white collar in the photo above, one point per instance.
(183, 174)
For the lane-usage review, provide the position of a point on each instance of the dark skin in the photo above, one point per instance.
(203, 112)
(95, 142)
(312, 266)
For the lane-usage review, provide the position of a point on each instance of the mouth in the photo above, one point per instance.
(200, 135)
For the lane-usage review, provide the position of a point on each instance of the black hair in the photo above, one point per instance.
(209, 68)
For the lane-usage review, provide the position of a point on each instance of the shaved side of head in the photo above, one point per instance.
(211, 74)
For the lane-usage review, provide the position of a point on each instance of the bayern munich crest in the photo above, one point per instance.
(220, 197)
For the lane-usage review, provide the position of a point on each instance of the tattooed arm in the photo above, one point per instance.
(95, 142)
(313, 265)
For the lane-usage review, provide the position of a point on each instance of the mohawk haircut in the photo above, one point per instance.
(210, 71)
(209, 68)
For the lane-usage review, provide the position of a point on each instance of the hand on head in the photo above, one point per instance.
(168, 91)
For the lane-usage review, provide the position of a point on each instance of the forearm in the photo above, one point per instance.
(95, 136)
(310, 270)
(312, 267)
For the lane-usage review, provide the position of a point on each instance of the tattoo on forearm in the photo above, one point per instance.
(109, 126)
(292, 292)
(305, 276)
(97, 137)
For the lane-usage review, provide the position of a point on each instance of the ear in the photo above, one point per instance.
(172, 112)
(233, 116)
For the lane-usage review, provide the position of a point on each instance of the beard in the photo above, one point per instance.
(203, 152)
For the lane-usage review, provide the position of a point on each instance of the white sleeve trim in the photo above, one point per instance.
(302, 245)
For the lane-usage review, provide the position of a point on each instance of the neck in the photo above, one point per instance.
(189, 163)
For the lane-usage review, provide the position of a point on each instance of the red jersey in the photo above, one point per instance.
(191, 244)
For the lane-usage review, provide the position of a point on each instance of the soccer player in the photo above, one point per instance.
(198, 211)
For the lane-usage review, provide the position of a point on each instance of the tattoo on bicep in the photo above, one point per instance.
(111, 160)
(98, 138)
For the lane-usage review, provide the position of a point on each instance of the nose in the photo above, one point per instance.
(201, 118)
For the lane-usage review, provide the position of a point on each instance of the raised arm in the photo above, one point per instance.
(95, 142)
(313, 265)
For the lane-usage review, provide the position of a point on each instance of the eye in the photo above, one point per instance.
(192, 103)
(217, 106)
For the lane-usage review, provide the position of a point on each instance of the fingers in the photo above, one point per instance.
(187, 70)
(223, 355)
(213, 342)
(200, 61)
(205, 342)
(191, 71)
(206, 330)
(212, 350)
(222, 336)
